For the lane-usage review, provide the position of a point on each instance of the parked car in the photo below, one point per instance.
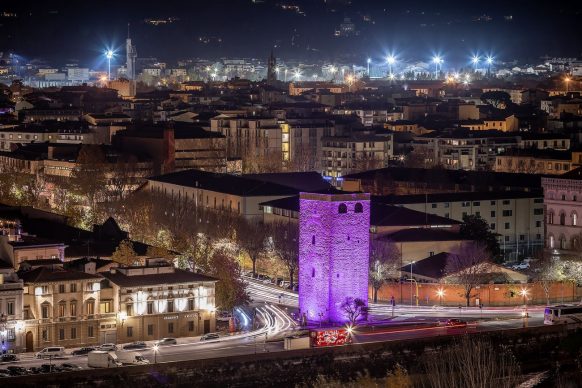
(17, 370)
(4, 373)
(454, 322)
(167, 341)
(82, 351)
(108, 347)
(68, 366)
(209, 336)
(34, 370)
(135, 345)
(48, 368)
(51, 352)
(8, 358)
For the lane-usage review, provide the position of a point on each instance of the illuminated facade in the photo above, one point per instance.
(333, 253)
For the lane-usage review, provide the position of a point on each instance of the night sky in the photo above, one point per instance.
(64, 31)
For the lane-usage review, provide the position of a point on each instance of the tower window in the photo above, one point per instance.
(313, 240)
(359, 208)
(342, 208)
(312, 272)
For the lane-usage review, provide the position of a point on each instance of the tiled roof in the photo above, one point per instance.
(177, 276)
(431, 267)
(46, 275)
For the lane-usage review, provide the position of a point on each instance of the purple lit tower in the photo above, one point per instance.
(334, 232)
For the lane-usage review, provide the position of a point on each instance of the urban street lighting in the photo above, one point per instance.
(155, 348)
(437, 60)
(391, 60)
(567, 82)
(297, 75)
(109, 55)
(285, 75)
(475, 60)
(392, 77)
(441, 293)
(489, 63)
(333, 70)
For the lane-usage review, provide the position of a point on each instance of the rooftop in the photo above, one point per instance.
(54, 274)
(458, 197)
(172, 276)
(224, 183)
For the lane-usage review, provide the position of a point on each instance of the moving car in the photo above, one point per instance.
(209, 336)
(167, 341)
(82, 351)
(454, 322)
(135, 345)
(8, 358)
(108, 347)
(51, 352)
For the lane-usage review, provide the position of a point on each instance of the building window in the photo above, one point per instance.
(105, 307)
(73, 332)
(551, 218)
(492, 226)
(73, 309)
(90, 332)
(61, 334)
(342, 209)
(521, 237)
(574, 219)
(312, 240)
(506, 238)
(90, 308)
(433, 205)
(73, 287)
(493, 203)
(62, 308)
(478, 214)
(493, 213)
(563, 197)
(190, 325)
(465, 204)
(507, 225)
(44, 310)
(45, 335)
(507, 213)
(538, 212)
(538, 224)
(476, 203)
(171, 327)
(10, 308)
(129, 309)
(170, 306)
(506, 201)
(129, 331)
(191, 304)
(562, 218)
(150, 329)
(150, 307)
(61, 288)
(359, 208)
(551, 241)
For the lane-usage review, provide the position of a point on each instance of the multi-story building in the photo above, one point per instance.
(60, 307)
(463, 150)
(503, 124)
(156, 301)
(11, 318)
(563, 204)
(535, 161)
(517, 217)
(17, 248)
(341, 155)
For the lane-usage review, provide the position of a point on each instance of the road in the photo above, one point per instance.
(273, 305)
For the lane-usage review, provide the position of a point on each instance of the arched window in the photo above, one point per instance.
(359, 208)
(552, 243)
(551, 217)
(342, 208)
(312, 272)
(562, 218)
(313, 240)
(574, 219)
(562, 242)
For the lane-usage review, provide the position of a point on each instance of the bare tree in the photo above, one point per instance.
(251, 238)
(469, 267)
(355, 309)
(88, 176)
(384, 263)
(285, 245)
(545, 271)
(474, 363)
(124, 175)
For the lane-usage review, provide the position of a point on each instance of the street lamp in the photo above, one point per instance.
(285, 75)
(109, 55)
(390, 59)
(475, 60)
(440, 292)
(411, 263)
(155, 348)
(333, 70)
(437, 60)
(297, 75)
(489, 63)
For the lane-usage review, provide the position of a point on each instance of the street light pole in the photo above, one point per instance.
(412, 262)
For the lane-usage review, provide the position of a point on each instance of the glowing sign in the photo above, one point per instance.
(330, 337)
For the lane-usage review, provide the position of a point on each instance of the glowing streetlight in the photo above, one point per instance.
(333, 70)
(349, 329)
(391, 77)
(489, 61)
(109, 55)
(475, 60)
(437, 60)
(155, 348)
(297, 75)
(285, 75)
(391, 60)
(440, 292)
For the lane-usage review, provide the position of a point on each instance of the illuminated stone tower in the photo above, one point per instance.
(334, 232)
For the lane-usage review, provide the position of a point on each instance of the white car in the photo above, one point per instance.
(51, 352)
(108, 347)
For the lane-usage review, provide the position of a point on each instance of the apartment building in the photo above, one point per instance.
(537, 161)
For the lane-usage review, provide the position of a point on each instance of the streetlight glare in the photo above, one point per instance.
(475, 59)
(390, 59)
(109, 54)
(437, 59)
(369, 60)
(489, 60)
